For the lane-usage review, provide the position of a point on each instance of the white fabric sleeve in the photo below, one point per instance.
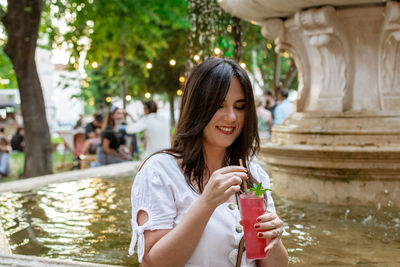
(261, 176)
(152, 194)
(136, 127)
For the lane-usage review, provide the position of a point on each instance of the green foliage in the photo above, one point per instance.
(7, 73)
(212, 27)
(137, 30)
(146, 31)
(257, 189)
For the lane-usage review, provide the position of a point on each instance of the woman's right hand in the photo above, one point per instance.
(222, 184)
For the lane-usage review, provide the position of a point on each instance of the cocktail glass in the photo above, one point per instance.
(252, 207)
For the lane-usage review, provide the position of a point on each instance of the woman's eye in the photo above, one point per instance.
(241, 107)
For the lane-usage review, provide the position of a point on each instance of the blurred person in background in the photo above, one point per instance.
(112, 148)
(284, 108)
(80, 123)
(17, 140)
(92, 135)
(155, 128)
(269, 101)
(4, 158)
(264, 120)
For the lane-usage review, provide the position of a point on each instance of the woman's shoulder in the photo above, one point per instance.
(159, 162)
(257, 171)
(160, 169)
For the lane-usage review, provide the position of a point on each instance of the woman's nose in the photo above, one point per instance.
(230, 114)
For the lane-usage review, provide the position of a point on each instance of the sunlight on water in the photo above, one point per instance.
(89, 220)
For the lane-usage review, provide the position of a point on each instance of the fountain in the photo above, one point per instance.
(342, 145)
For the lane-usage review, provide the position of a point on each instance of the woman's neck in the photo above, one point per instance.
(214, 158)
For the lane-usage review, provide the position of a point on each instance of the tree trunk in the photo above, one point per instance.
(171, 98)
(289, 78)
(123, 75)
(277, 71)
(22, 22)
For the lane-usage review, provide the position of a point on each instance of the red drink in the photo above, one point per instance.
(251, 208)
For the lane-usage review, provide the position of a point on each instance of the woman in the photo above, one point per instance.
(112, 149)
(155, 129)
(183, 211)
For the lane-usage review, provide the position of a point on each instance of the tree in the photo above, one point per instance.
(164, 76)
(21, 21)
(122, 36)
(240, 40)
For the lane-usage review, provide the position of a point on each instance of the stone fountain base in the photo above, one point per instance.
(334, 157)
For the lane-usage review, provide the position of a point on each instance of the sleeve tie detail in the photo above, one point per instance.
(138, 235)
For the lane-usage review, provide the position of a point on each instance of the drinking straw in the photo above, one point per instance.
(244, 180)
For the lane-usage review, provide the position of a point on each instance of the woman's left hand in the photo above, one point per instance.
(271, 228)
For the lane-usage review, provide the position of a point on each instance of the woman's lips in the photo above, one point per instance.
(226, 130)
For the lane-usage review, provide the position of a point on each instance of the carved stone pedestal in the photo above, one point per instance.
(343, 143)
(337, 157)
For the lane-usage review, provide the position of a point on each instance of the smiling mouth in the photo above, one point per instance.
(226, 130)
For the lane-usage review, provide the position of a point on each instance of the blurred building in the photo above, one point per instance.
(60, 88)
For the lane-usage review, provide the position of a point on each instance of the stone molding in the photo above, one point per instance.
(276, 29)
(348, 175)
(259, 10)
(319, 33)
(364, 129)
(322, 29)
(389, 57)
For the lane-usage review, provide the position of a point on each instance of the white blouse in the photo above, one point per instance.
(160, 189)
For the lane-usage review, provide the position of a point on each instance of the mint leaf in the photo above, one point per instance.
(257, 188)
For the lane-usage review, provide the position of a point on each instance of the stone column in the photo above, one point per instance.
(343, 144)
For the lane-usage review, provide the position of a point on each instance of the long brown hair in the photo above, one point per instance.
(109, 121)
(204, 92)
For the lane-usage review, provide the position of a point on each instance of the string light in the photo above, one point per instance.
(147, 95)
(172, 62)
(179, 92)
(285, 55)
(95, 64)
(108, 99)
(196, 58)
(149, 65)
(217, 51)
(182, 79)
(269, 46)
(243, 65)
(85, 84)
(128, 98)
